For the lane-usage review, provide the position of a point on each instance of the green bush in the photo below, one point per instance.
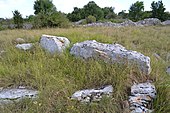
(56, 19)
(91, 19)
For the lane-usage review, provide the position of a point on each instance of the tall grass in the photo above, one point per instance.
(57, 77)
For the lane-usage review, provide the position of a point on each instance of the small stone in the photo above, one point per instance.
(26, 46)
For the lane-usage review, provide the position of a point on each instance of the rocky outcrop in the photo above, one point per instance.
(141, 98)
(26, 46)
(54, 44)
(167, 22)
(92, 95)
(145, 22)
(149, 22)
(16, 94)
(27, 26)
(112, 53)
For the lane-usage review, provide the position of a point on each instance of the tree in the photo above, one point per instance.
(76, 15)
(158, 10)
(90, 9)
(93, 9)
(90, 19)
(57, 19)
(136, 11)
(44, 6)
(46, 15)
(18, 20)
(109, 12)
(123, 14)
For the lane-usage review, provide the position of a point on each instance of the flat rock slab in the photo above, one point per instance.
(142, 96)
(54, 44)
(16, 94)
(26, 46)
(112, 53)
(89, 95)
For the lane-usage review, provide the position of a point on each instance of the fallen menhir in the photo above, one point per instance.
(112, 53)
(141, 98)
(91, 95)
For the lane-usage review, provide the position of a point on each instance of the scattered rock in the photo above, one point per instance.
(168, 70)
(90, 95)
(149, 22)
(16, 94)
(167, 22)
(145, 22)
(141, 97)
(112, 53)
(54, 44)
(19, 41)
(25, 47)
(128, 23)
(27, 26)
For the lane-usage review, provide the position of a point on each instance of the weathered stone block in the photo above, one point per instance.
(113, 53)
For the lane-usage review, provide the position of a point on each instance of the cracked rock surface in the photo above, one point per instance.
(90, 95)
(141, 98)
(54, 44)
(16, 94)
(112, 53)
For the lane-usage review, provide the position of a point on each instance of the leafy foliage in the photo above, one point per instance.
(44, 6)
(109, 13)
(123, 14)
(91, 9)
(90, 19)
(158, 10)
(47, 16)
(18, 20)
(76, 15)
(136, 11)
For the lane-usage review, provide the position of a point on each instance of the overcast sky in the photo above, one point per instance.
(25, 7)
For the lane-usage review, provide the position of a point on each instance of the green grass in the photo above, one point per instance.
(57, 77)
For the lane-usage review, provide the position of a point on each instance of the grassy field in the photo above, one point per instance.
(57, 77)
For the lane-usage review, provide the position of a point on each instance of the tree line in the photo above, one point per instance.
(46, 14)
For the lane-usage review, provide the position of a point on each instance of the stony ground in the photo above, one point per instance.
(57, 77)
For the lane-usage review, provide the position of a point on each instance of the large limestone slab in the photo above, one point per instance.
(16, 94)
(113, 53)
(90, 95)
(54, 44)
